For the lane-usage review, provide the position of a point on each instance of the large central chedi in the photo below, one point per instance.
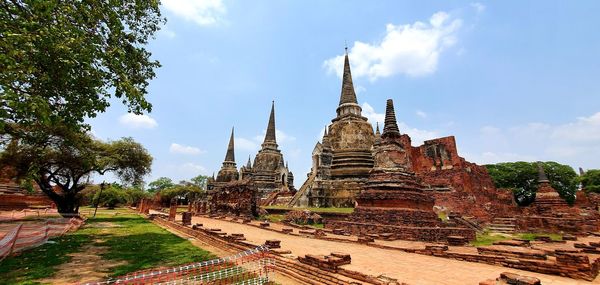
(393, 201)
(341, 163)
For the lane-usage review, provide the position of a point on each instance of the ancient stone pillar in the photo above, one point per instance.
(186, 218)
(146, 209)
(173, 211)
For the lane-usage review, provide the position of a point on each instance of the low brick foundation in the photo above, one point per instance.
(431, 234)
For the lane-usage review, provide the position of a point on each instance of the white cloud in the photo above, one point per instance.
(184, 149)
(246, 144)
(411, 49)
(372, 116)
(421, 114)
(201, 12)
(134, 121)
(417, 136)
(478, 7)
(165, 31)
(575, 143)
(193, 169)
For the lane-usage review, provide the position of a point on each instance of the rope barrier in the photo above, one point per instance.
(247, 267)
(24, 236)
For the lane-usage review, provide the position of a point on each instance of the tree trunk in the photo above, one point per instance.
(67, 206)
(66, 203)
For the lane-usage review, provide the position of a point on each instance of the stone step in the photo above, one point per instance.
(506, 220)
(502, 226)
(502, 230)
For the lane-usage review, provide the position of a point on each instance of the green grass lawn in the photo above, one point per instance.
(129, 238)
(488, 238)
(316, 210)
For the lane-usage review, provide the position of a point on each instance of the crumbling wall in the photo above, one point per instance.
(236, 198)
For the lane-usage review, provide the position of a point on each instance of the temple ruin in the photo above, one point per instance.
(343, 160)
(344, 157)
(551, 213)
(393, 201)
(267, 181)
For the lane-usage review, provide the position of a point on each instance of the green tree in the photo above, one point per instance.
(160, 184)
(200, 181)
(110, 197)
(183, 193)
(62, 160)
(590, 180)
(522, 178)
(62, 61)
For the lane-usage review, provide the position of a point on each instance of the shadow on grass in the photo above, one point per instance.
(133, 239)
(39, 263)
(148, 250)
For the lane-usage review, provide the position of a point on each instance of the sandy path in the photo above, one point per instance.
(406, 267)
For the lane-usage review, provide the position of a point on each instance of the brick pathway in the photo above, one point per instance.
(414, 269)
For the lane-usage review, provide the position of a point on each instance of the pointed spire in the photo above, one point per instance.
(348, 95)
(542, 178)
(249, 163)
(377, 130)
(390, 126)
(286, 165)
(230, 156)
(270, 136)
(325, 133)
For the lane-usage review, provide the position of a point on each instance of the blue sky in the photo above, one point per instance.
(512, 80)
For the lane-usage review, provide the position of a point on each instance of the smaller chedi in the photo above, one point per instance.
(270, 173)
(551, 213)
(393, 201)
(267, 181)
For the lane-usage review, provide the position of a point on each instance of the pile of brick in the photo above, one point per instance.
(326, 262)
(186, 218)
(512, 279)
(513, 252)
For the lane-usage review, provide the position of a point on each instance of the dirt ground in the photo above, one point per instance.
(87, 265)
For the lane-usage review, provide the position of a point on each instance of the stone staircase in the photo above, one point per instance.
(503, 225)
(467, 221)
(302, 191)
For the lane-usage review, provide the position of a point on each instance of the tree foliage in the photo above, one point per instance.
(183, 193)
(590, 180)
(160, 184)
(522, 178)
(200, 181)
(62, 161)
(62, 61)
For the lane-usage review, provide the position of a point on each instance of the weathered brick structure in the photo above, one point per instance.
(269, 176)
(551, 213)
(228, 171)
(341, 163)
(236, 197)
(393, 201)
(15, 197)
(270, 173)
(343, 159)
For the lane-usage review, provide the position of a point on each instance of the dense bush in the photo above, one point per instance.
(522, 178)
(590, 180)
(113, 195)
(183, 193)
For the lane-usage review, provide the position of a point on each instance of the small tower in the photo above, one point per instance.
(547, 198)
(229, 170)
